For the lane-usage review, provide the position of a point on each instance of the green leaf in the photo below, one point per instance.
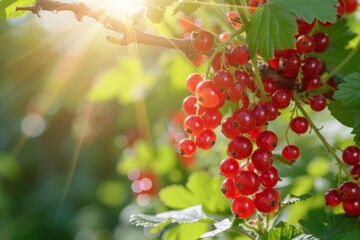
(292, 199)
(349, 91)
(356, 131)
(9, 7)
(200, 189)
(185, 231)
(187, 8)
(283, 231)
(328, 226)
(220, 227)
(160, 221)
(156, 9)
(273, 26)
(344, 114)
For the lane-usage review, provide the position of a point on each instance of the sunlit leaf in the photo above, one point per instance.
(220, 227)
(283, 231)
(292, 199)
(349, 91)
(8, 7)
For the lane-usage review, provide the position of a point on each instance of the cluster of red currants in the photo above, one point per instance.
(348, 193)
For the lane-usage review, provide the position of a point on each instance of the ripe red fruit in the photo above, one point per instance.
(304, 27)
(332, 198)
(289, 64)
(192, 81)
(221, 62)
(240, 54)
(266, 200)
(193, 125)
(349, 191)
(299, 125)
(322, 42)
(242, 76)
(352, 208)
(269, 178)
(318, 103)
(243, 120)
(247, 182)
(351, 155)
(305, 44)
(290, 152)
(234, 18)
(350, 5)
(228, 129)
(236, 91)
(223, 80)
(355, 171)
(189, 105)
(262, 159)
(228, 188)
(261, 114)
(242, 207)
(186, 147)
(273, 111)
(206, 140)
(207, 94)
(229, 167)
(202, 41)
(270, 86)
(212, 118)
(311, 67)
(281, 98)
(267, 140)
(240, 148)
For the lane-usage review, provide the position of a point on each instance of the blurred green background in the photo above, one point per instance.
(83, 122)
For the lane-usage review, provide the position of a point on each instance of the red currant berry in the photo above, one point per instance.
(240, 148)
(290, 152)
(192, 81)
(269, 178)
(229, 167)
(240, 54)
(242, 76)
(355, 171)
(254, 133)
(351, 155)
(186, 147)
(305, 44)
(304, 27)
(270, 86)
(228, 129)
(223, 79)
(243, 120)
(289, 65)
(221, 63)
(206, 140)
(349, 191)
(243, 207)
(352, 208)
(202, 41)
(267, 140)
(234, 19)
(207, 94)
(332, 198)
(273, 111)
(247, 182)
(318, 103)
(281, 98)
(236, 91)
(261, 114)
(262, 159)
(193, 125)
(312, 82)
(228, 188)
(322, 42)
(212, 118)
(311, 67)
(189, 106)
(299, 125)
(350, 6)
(247, 165)
(266, 200)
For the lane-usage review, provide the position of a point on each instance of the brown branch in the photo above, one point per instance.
(131, 34)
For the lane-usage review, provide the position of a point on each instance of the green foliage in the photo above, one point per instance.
(8, 7)
(156, 9)
(220, 227)
(283, 231)
(161, 220)
(347, 107)
(329, 226)
(187, 7)
(273, 25)
(202, 189)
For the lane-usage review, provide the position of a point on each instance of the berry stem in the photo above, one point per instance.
(344, 62)
(257, 79)
(330, 149)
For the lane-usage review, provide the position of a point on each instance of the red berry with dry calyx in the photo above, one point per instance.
(202, 41)
(186, 147)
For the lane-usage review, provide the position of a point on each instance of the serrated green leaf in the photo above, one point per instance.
(331, 226)
(200, 189)
(156, 9)
(356, 131)
(292, 199)
(187, 8)
(343, 114)
(348, 93)
(9, 7)
(272, 26)
(283, 231)
(220, 227)
(160, 221)
(306, 237)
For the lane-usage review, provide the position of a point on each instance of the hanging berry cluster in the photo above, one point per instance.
(250, 176)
